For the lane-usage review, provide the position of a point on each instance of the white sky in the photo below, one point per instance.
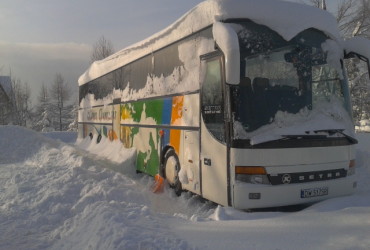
(40, 38)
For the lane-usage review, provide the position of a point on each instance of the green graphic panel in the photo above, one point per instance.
(153, 109)
(145, 140)
(148, 161)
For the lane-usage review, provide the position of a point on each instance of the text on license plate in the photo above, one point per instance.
(313, 192)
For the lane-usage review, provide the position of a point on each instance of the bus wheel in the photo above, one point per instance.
(171, 171)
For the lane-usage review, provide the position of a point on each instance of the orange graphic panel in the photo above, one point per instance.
(112, 135)
(176, 115)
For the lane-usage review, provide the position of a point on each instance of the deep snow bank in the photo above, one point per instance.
(54, 196)
(64, 136)
(340, 223)
(18, 144)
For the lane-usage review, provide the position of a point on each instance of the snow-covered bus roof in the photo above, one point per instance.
(286, 18)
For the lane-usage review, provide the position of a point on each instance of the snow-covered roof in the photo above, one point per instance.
(6, 84)
(286, 18)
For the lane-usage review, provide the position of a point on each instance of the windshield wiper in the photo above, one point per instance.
(338, 131)
(307, 136)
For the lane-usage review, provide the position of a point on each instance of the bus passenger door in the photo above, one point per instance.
(213, 155)
(191, 162)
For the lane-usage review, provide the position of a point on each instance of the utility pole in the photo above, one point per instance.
(323, 5)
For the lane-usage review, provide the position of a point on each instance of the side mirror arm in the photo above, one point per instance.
(361, 57)
(358, 47)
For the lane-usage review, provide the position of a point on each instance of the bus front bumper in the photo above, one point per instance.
(249, 196)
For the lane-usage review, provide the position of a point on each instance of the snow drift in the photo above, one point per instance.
(56, 196)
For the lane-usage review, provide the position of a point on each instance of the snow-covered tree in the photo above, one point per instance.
(42, 113)
(73, 125)
(60, 94)
(45, 122)
(44, 100)
(359, 89)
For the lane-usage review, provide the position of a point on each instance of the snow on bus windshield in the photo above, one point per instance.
(285, 84)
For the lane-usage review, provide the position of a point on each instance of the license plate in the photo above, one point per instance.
(313, 192)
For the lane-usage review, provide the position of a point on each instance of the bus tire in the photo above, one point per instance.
(171, 171)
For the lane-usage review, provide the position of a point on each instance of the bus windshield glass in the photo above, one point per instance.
(280, 77)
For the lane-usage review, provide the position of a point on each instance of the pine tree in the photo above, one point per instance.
(46, 122)
(43, 114)
(73, 125)
(60, 94)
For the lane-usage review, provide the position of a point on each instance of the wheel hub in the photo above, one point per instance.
(171, 170)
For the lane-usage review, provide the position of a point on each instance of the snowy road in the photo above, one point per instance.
(56, 196)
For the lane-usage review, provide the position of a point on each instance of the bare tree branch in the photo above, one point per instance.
(353, 18)
(21, 94)
(102, 49)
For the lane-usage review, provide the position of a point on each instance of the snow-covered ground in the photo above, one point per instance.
(55, 195)
(363, 126)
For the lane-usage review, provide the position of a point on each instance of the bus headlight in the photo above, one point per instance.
(254, 175)
(352, 168)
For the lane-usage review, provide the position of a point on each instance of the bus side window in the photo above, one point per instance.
(212, 99)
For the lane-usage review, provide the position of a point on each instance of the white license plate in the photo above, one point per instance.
(313, 192)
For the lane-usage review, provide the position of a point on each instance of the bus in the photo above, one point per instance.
(245, 103)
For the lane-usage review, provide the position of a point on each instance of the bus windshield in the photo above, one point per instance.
(284, 77)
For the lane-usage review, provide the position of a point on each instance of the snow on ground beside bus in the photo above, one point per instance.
(55, 195)
(64, 136)
(363, 126)
(113, 151)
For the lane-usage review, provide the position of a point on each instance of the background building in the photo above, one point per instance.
(6, 100)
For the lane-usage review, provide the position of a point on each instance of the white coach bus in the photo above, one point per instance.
(245, 103)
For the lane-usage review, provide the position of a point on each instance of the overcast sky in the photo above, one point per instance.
(40, 38)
